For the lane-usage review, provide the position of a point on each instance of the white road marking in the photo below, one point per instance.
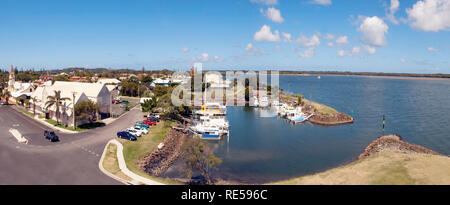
(18, 136)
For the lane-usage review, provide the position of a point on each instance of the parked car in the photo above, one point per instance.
(50, 135)
(4, 103)
(150, 122)
(141, 124)
(126, 135)
(141, 129)
(134, 132)
(156, 115)
(151, 118)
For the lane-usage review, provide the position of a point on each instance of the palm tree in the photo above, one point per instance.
(34, 100)
(6, 95)
(57, 101)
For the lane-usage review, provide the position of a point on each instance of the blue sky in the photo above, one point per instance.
(344, 35)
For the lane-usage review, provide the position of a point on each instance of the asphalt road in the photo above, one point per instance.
(73, 160)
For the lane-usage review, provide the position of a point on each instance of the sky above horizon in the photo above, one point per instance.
(402, 36)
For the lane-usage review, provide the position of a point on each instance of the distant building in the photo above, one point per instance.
(24, 90)
(161, 82)
(79, 79)
(46, 77)
(141, 75)
(108, 81)
(217, 81)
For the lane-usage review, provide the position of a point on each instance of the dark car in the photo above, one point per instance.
(50, 135)
(151, 118)
(126, 135)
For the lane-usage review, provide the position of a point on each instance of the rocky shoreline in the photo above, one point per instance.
(329, 119)
(332, 119)
(158, 161)
(395, 143)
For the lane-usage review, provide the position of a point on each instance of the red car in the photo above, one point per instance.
(150, 122)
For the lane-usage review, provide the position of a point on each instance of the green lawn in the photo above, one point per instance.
(135, 150)
(28, 113)
(79, 128)
(111, 164)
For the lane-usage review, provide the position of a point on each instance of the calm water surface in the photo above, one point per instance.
(263, 150)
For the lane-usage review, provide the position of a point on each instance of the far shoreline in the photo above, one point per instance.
(373, 76)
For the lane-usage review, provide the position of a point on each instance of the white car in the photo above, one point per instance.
(142, 130)
(134, 132)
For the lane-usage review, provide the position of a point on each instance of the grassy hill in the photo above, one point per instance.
(387, 161)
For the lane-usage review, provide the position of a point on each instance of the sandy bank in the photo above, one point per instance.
(387, 160)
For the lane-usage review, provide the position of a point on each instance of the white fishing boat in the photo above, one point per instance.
(255, 102)
(263, 102)
(300, 117)
(206, 132)
(221, 123)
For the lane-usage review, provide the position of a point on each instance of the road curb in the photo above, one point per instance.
(100, 166)
(123, 167)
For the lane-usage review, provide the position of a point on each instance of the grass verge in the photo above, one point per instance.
(133, 151)
(111, 164)
(79, 128)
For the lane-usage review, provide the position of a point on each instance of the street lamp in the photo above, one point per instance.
(73, 110)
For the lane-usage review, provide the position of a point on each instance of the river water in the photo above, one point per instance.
(262, 150)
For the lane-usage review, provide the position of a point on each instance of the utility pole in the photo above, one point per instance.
(73, 110)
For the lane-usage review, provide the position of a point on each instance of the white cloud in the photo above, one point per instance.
(395, 4)
(370, 49)
(322, 2)
(310, 52)
(314, 41)
(356, 51)
(330, 44)
(402, 60)
(203, 57)
(265, 34)
(329, 36)
(217, 59)
(266, 2)
(430, 15)
(253, 50)
(342, 40)
(273, 14)
(286, 37)
(277, 48)
(374, 30)
(185, 49)
(431, 49)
